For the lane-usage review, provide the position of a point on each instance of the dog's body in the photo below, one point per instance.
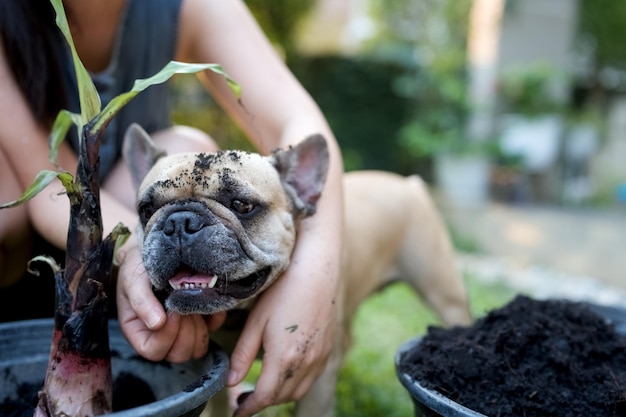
(394, 232)
(219, 229)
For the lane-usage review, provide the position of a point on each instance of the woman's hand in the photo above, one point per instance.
(153, 333)
(294, 321)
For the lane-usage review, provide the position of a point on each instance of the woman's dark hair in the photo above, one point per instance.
(30, 39)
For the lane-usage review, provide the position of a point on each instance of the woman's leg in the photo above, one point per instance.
(177, 139)
(16, 233)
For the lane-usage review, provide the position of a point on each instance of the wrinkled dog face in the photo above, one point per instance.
(212, 238)
(219, 228)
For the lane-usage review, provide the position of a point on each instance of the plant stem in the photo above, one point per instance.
(78, 379)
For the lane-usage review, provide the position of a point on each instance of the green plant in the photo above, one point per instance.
(78, 380)
(599, 36)
(530, 89)
(436, 75)
(438, 124)
(279, 19)
(422, 140)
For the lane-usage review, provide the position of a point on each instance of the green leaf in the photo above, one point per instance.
(120, 234)
(68, 181)
(62, 124)
(175, 67)
(41, 181)
(88, 95)
(172, 67)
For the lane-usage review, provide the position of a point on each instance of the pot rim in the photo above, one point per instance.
(429, 398)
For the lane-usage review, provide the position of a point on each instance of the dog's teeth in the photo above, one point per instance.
(193, 285)
(213, 281)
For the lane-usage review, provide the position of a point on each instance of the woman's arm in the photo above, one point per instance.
(276, 111)
(24, 140)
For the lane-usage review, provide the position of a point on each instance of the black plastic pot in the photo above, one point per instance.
(429, 403)
(180, 390)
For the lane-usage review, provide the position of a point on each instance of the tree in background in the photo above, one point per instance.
(601, 39)
(432, 35)
(279, 19)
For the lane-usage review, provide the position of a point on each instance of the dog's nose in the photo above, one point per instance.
(183, 223)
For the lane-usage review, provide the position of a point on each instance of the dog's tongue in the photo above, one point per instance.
(189, 280)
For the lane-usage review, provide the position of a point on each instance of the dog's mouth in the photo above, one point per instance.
(192, 282)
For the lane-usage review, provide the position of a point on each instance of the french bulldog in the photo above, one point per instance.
(218, 229)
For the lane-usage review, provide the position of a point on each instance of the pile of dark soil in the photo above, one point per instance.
(530, 358)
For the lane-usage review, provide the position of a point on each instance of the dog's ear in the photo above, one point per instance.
(303, 169)
(140, 153)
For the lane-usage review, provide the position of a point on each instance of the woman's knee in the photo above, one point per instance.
(178, 139)
(15, 228)
(15, 218)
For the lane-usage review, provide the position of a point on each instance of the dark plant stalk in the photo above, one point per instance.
(78, 379)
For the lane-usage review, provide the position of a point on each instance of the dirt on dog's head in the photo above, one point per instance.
(218, 228)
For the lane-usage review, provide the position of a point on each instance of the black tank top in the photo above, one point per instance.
(145, 42)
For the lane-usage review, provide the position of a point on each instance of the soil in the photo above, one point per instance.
(529, 358)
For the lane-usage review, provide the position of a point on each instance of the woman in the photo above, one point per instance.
(118, 41)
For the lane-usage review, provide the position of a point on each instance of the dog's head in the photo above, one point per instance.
(217, 229)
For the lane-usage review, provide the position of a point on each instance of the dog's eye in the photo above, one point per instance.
(145, 211)
(241, 207)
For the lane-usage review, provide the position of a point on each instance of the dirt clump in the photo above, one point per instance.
(529, 358)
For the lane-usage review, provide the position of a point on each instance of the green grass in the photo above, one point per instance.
(368, 386)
